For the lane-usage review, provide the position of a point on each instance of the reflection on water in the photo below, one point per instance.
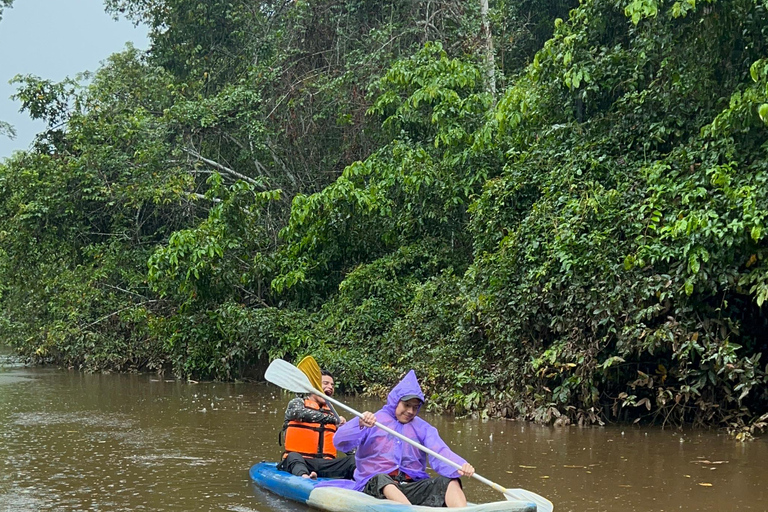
(70, 441)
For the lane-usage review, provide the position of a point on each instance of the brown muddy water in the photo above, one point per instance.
(71, 441)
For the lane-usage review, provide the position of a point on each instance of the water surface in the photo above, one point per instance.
(71, 441)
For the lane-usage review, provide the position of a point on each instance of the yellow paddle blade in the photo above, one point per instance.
(311, 369)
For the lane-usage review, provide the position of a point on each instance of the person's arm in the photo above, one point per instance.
(297, 412)
(434, 442)
(349, 436)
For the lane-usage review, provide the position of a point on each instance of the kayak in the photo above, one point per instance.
(334, 499)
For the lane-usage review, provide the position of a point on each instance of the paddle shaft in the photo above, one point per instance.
(330, 406)
(414, 443)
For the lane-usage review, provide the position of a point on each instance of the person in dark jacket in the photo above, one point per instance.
(308, 430)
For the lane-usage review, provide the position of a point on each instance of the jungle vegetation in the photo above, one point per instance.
(553, 210)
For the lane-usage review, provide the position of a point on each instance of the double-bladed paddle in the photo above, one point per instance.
(284, 374)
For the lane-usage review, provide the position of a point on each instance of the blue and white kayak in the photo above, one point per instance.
(334, 499)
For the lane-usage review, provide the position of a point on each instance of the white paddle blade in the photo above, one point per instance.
(542, 503)
(284, 374)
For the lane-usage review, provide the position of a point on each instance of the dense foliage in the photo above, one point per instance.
(336, 177)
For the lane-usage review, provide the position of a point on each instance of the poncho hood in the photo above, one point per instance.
(409, 385)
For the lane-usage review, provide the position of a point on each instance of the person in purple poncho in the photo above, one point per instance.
(390, 468)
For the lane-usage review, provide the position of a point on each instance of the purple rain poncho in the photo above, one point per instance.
(380, 452)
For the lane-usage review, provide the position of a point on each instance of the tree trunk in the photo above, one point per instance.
(490, 64)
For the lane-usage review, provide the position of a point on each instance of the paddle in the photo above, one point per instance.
(287, 376)
(311, 369)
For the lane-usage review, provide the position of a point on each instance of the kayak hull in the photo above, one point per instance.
(334, 499)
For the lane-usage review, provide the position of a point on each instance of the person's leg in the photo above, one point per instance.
(434, 492)
(343, 467)
(348, 467)
(393, 492)
(295, 464)
(383, 486)
(454, 495)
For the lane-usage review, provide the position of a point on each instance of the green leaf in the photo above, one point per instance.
(612, 361)
(693, 264)
(763, 111)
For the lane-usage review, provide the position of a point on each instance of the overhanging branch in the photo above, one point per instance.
(224, 169)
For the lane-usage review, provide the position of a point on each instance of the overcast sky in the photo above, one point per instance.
(54, 39)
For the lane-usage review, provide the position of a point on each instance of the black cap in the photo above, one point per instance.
(409, 397)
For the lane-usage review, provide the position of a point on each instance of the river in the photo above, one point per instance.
(72, 441)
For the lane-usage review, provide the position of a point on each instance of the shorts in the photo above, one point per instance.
(429, 492)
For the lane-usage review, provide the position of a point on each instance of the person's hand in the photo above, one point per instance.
(467, 470)
(342, 420)
(367, 420)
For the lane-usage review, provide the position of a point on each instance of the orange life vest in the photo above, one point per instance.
(313, 440)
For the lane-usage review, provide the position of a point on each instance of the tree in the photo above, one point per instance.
(277, 178)
(490, 62)
(3, 5)
(7, 130)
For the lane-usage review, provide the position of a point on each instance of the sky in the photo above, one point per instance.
(54, 39)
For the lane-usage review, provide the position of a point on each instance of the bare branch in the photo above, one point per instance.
(204, 198)
(123, 290)
(259, 166)
(105, 317)
(224, 169)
